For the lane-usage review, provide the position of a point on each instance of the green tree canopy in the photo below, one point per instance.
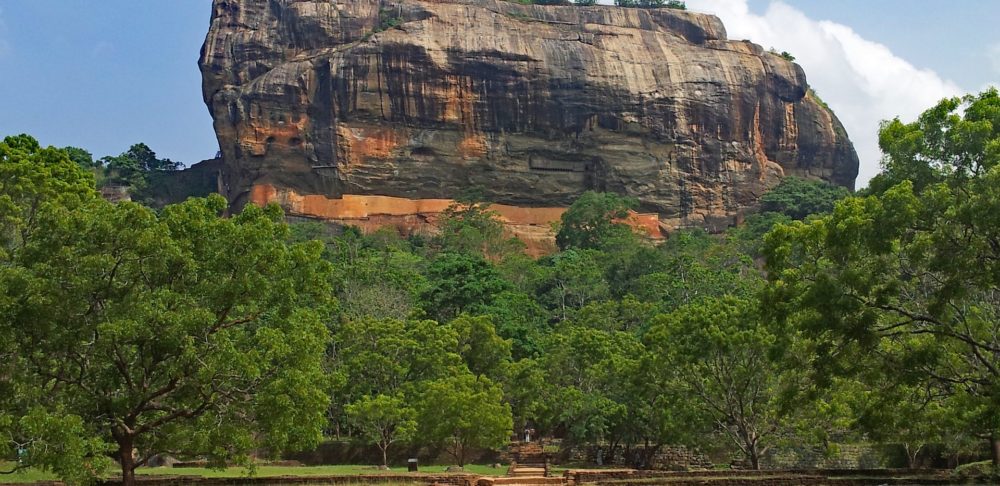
(383, 420)
(910, 272)
(798, 198)
(593, 221)
(718, 352)
(471, 227)
(390, 356)
(181, 332)
(586, 375)
(133, 167)
(460, 283)
(82, 157)
(462, 413)
(32, 179)
(484, 352)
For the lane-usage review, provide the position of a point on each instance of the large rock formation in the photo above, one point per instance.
(381, 112)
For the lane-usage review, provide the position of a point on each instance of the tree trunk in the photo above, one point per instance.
(995, 448)
(911, 455)
(385, 456)
(754, 458)
(125, 446)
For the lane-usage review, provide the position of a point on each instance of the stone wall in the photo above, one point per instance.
(673, 458)
(845, 456)
(393, 479)
(667, 457)
(618, 477)
(346, 452)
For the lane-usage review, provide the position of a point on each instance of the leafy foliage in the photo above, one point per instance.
(594, 221)
(908, 274)
(383, 420)
(137, 327)
(718, 352)
(184, 332)
(463, 412)
(460, 283)
(798, 198)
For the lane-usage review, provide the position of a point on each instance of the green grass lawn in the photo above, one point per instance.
(23, 476)
(31, 475)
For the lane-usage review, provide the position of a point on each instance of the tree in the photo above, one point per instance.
(911, 272)
(81, 157)
(593, 221)
(379, 300)
(798, 198)
(471, 227)
(371, 357)
(485, 353)
(696, 266)
(463, 412)
(379, 277)
(586, 375)
(628, 315)
(574, 279)
(182, 332)
(460, 283)
(383, 420)
(718, 351)
(140, 157)
(33, 179)
(520, 319)
(391, 356)
(134, 166)
(524, 389)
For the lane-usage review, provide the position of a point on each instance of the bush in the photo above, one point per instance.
(983, 471)
(798, 198)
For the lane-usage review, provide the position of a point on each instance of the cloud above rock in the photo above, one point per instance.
(861, 80)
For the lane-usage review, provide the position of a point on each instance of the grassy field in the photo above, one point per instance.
(32, 475)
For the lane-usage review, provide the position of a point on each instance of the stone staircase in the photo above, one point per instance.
(529, 466)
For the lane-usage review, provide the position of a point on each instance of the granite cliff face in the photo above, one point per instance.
(380, 112)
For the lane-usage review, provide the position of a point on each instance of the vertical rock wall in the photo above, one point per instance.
(531, 105)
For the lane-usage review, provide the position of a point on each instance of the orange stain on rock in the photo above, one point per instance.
(459, 101)
(533, 226)
(472, 146)
(259, 135)
(648, 224)
(359, 144)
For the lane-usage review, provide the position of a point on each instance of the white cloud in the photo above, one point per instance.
(861, 80)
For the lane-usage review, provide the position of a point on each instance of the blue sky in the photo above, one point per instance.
(103, 74)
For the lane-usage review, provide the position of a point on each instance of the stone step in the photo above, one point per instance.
(522, 480)
(528, 471)
(531, 460)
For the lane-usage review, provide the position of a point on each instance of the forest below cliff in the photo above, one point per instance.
(826, 317)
